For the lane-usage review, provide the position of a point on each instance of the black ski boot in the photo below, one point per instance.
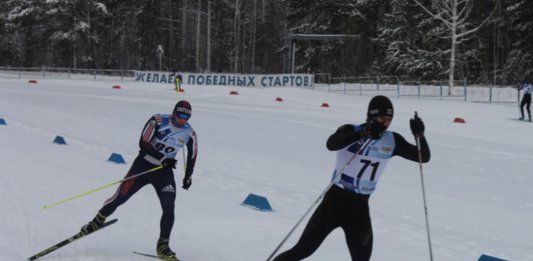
(164, 252)
(94, 224)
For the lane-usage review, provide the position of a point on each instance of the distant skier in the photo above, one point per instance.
(345, 205)
(526, 99)
(177, 82)
(161, 139)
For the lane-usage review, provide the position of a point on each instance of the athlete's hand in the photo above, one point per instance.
(417, 126)
(187, 182)
(169, 163)
(373, 129)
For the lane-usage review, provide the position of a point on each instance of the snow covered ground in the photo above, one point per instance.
(478, 182)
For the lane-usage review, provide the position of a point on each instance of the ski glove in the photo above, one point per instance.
(187, 182)
(373, 129)
(169, 163)
(417, 126)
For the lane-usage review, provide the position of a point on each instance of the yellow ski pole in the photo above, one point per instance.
(100, 188)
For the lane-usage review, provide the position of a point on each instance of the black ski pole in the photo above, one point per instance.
(417, 139)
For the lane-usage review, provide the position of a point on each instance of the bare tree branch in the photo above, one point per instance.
(457, 13)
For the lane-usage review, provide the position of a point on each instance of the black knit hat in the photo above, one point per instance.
(182, 107)
(380, 106)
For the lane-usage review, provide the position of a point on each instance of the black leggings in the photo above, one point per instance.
(526, 101)
(339, 208)
(163, 182)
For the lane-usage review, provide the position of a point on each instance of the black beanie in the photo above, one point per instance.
(380, 106)
(182, 106)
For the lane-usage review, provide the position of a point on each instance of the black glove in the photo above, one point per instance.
(417, 126)
(373, 129)
(169, 163)
(187, 182)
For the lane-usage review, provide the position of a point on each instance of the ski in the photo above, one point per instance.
(67, 241)
(155, 256)
(521, 120)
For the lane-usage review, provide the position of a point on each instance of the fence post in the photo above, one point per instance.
(398, 86)
(377, 84)
(441, 89)
(490, 94)
(329, 83)
(464, 82)
(344, 84)
(360, 86)
(418, 85)
(518, 96)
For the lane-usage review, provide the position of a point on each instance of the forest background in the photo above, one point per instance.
(491, 40)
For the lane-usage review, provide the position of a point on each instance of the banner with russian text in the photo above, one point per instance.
(222, 79)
